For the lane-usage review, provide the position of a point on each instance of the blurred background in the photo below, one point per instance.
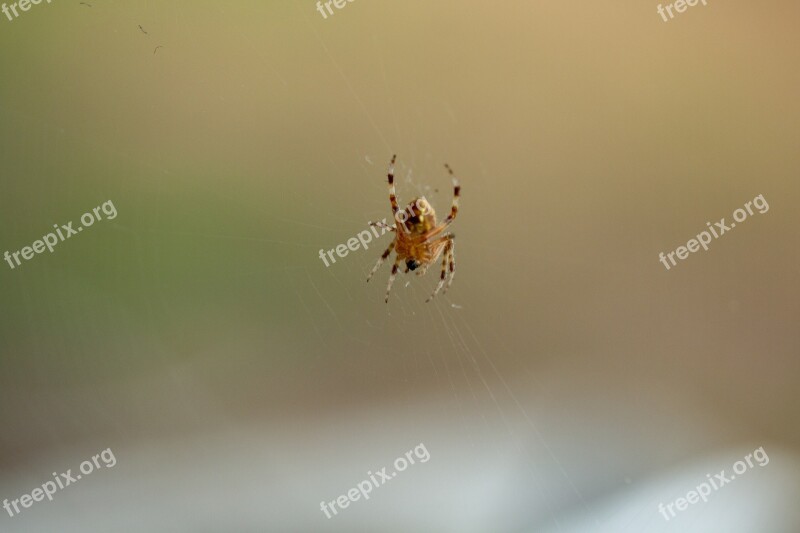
(567, 381)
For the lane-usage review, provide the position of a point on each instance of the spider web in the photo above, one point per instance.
(460, 361)
(435, 354)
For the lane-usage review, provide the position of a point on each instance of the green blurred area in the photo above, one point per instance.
(586, 140)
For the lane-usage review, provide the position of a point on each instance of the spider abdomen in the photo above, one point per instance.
(418, 218)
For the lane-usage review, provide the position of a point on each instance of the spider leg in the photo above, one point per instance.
(393, 275)
(392, 192)
(452, 264)
(382, 225)
(456, 194)
(443, 274)
(381, 260)
(453, 210)
(436, 246)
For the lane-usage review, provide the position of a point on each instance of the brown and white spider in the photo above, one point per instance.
(418, 238)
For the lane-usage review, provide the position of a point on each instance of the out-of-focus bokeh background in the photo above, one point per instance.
(567, 382)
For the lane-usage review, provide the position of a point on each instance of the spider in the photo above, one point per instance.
(418, 238)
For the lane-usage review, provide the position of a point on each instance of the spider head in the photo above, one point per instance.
(412, 264)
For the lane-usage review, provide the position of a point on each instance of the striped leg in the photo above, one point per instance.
(443, 275)
(392, 192)
(456, 194)
(381, 260)
(452, 264)
(453, 210)
(393, 275)
(382, 225)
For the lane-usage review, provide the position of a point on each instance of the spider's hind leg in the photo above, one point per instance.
(393, 275)
(452, 265)
(445, 257)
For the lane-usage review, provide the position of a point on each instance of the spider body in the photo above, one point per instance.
(419, 239)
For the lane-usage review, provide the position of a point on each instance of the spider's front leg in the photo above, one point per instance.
(392, 192)
(456, 195)
(453, 209)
